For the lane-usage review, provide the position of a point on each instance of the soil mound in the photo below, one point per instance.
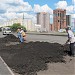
(28, 58)
(9, 38)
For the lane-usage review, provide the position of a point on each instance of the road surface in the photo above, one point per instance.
(47, 38)
(42, 38)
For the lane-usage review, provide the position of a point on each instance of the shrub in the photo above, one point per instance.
(15, 26)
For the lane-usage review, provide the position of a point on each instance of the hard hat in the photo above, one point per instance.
(68, 28)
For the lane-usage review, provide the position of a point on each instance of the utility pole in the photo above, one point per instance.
(23, 15)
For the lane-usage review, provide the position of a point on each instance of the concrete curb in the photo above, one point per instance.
(7, 66)
(53, 34)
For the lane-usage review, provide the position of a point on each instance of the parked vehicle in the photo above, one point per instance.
(6, 30)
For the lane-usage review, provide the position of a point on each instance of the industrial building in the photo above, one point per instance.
(68, 20)
(43, 19)
(59, 19)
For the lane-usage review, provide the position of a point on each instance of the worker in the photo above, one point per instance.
(23, 35)
(18, 33)
(71, 39)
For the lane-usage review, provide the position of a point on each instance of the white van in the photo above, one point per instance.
(6, 30)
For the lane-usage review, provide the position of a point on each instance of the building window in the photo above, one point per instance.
(58, 20)
(58, 14)
(63, 14)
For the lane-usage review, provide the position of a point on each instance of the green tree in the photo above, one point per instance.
(15, 26)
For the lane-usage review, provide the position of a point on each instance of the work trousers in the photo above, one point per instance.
(72, 49)
(21, 39)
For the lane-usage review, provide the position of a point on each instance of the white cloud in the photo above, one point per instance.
(12, 11)
(4, 6)
(5, 1)
(11, 1)
(10, 15)
(73, 16)
(13, 8)
(61, 4)
(15, 5)
(44, 8)
(73, 1)
(37, 8)
(19, 9)
(69, 9)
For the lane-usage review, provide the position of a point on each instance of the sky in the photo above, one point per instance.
(50, 3)
(10, 9)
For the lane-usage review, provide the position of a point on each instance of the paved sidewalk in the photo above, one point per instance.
(4, 69)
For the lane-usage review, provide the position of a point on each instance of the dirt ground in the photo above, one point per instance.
(36, 58)
(67, 68)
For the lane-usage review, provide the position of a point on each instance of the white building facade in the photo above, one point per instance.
(73, 21)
